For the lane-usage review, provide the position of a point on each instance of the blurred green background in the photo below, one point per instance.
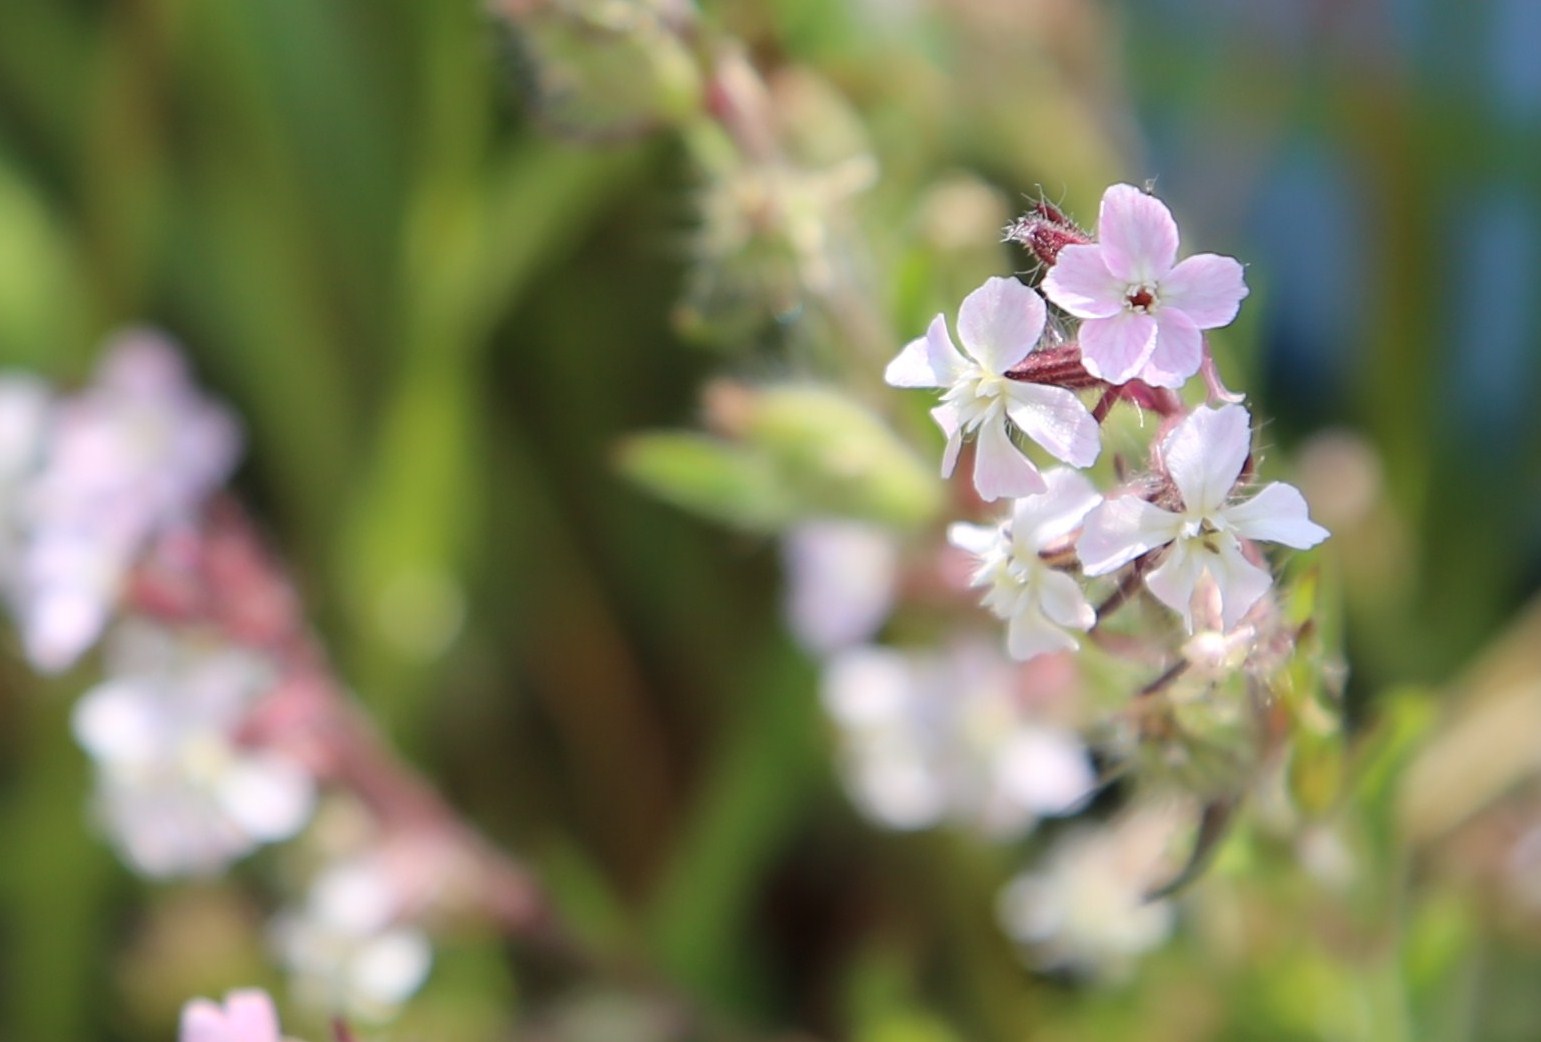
(439, 298)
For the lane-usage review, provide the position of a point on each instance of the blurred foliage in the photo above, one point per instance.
(440, 311)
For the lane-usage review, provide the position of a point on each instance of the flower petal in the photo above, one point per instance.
(250, 1016)
(1179, 350)
(203, 1021)
(1081, 283)
(928, 361)
(1056, 419)
(270, 797)
(1116, 349)
(1030, 634)
(946, 417)
(1063, 601)
(976, 539)
(1122, 529)
(1137, 235)
(1175, 579)
(1047, 770)
(1204, 455)
(1000, 322)
(1206, 287)
(1242, 583)
(1000, 469)
(1277, 514)
(1037, 521)
(121, 723)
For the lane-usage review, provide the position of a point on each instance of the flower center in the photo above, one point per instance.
(1141, 298)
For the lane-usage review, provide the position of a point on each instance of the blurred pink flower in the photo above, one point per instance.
(1142, 313)
(1203, 455)
(999, 324)
(247, 1016)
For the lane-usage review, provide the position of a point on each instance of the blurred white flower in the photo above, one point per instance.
(132, 454)
(176, 791)
(1085, 909)
(347, 949)
(841, 577)
(246, 1016)
(928, 738)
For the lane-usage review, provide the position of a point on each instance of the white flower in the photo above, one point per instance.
(134, 453)
(1203, 455)
(1141, 313)
(1085, 909)
(999, 323)
(247, 1016)
(1039, 604)
(840, 582)
(927, 738)
(347, 949)
(176, 790)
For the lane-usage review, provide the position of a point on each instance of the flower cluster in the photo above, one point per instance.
(968, 736)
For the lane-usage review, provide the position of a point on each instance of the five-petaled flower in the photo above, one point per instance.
(1141, 313)
(1039, 604)
(1203, 455)
(999, 324)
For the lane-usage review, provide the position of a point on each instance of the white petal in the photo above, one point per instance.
(976, 539)
(1116, 349)
(1277, 514)
(1178, 353)
(1122, 529)
(1046, 770)
(1063, 602)
(866, 687)
(269, 797)
(1000, 322)
(840, 582)
(1000, 469)
(250, 1016)
(120, 722)
(1080, 283)
(1174, 581)
(928, 361)
(1037, 521)
(1241, 582)
(1029, 634)
(946, 417)
(389, 969)
(1137, 235)
(1056, 419)
(1204, 455)
(1206, 287)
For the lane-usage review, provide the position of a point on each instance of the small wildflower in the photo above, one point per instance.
(1039, 604)
(999, 324)
(1142, 314)
(1203, 455)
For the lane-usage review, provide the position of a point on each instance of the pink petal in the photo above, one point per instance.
(202, 1021)
(1204, 455)
(1206, 287)
(1116, 349)
(251, 1016)
(1000, 469)
(1277, 514)
(1080, 283)
(1000, 322)
(928, 361)
(1179, 350)
(1037, 521)
(1029, 634)
(946, 417)
(1056, 419)
(1122, 529)
(1137, 235)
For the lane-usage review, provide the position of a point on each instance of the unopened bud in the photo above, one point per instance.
(1044, 231)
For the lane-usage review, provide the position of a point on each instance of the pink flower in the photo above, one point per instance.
(1203, 455)
(999, 323)
(247, 1016)
(1141, 314)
